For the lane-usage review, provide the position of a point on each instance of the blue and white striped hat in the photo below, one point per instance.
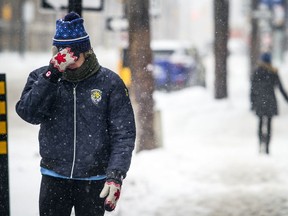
(70, 32)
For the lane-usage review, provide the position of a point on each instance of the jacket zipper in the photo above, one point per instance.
(75, 136)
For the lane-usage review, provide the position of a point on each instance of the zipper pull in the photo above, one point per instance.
(74, 88)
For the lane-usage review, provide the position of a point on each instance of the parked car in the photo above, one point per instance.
(175, 65)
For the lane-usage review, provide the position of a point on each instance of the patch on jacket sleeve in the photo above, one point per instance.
(96, 96)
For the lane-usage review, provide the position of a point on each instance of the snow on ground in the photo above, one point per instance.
(209, 164)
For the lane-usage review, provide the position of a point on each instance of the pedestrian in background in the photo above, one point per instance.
(87, 128)
(263, 100)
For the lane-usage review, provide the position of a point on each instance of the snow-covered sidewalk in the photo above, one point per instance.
(210, 165)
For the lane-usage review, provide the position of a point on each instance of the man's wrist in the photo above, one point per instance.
(52, 74)
(116, 176)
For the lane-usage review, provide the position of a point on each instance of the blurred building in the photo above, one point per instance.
(25, 26)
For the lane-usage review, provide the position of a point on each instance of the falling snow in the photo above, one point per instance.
(209, 164)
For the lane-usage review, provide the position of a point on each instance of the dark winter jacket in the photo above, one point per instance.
(86, 128)
(264, 81)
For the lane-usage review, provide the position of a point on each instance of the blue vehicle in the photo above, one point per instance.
(175, 66)
(168, 75)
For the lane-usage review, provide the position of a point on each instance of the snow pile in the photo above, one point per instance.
(210, 165)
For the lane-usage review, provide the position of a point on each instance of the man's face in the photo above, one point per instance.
(78, 63)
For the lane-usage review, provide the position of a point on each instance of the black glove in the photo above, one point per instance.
(112, 189)
(59, 63)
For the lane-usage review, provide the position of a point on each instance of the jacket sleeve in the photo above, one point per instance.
(122, 130)
(281, 88)
(37, 97)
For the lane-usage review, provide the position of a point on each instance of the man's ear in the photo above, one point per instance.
(54, 50)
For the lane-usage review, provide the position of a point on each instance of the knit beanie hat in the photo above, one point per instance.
(266, 57)
(70, 32)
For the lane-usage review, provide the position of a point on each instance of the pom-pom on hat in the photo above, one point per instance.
(70, 32)
(266, 57)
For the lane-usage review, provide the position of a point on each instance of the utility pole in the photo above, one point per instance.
(76, 6)
(22, 35)
(254, 41)
(221, 16)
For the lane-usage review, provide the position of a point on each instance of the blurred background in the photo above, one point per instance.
(192, 106)
(28, 25)
(35, 20)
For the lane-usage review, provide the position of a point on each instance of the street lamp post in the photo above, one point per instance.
(76, 6)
